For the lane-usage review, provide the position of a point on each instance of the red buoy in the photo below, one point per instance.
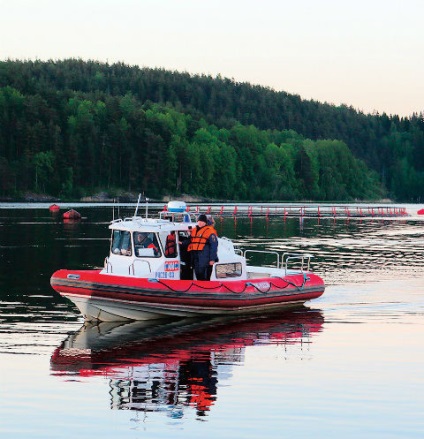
(71, 214)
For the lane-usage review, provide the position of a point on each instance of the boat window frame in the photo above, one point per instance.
(155, 241)
(238, 272)
(163, 237)
(122, 244)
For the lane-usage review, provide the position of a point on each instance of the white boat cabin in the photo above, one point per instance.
(154, 248)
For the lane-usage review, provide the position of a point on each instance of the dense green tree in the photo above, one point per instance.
(44, 168)
(102, 126)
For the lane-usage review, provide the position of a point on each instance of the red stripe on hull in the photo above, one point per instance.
(212, 294)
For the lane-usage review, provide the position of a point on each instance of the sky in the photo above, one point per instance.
(368, 54)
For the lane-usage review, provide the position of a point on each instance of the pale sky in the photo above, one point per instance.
(365, 53)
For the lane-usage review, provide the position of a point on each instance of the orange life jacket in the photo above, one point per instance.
(199, 238)
(171, 246)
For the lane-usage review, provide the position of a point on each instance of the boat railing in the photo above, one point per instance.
(179, 217)
(266, 252)
(287, 261)
(302, 260)
(131, 268)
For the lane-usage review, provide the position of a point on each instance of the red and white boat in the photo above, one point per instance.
(143, 282)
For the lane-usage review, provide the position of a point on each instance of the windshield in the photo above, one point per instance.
(121, 243)
(146, 245)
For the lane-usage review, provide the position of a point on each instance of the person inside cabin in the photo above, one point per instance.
(184, 239)
(122, 243)
(146, 240)
(126, 250)
(203, 248)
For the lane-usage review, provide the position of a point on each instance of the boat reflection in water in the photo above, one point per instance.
(168, 365)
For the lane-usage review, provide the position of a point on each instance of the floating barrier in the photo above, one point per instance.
(313, 211)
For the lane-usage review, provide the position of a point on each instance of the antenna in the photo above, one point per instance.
(147, 206)
(136, 208)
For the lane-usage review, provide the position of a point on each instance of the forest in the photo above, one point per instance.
(71, 128)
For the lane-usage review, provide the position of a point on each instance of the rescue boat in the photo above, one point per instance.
(141, 279)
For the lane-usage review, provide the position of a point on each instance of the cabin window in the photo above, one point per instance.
(121, 243)
(228, 270)
(146, 245)
(170, 245)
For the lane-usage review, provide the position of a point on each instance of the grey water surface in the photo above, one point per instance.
(347, 365)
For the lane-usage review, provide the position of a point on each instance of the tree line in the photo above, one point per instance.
(70, 128)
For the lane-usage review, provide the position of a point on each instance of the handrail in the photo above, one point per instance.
(131, 267)
(185, 217)
(264, 252)
(107, 263)
(304, 258)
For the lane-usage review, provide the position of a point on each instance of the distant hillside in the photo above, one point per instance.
(70, 127)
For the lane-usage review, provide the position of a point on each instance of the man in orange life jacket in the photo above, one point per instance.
(203, 248)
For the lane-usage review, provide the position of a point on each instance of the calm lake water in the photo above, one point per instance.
(347, 365)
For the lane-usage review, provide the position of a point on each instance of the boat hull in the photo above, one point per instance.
(107, 297)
